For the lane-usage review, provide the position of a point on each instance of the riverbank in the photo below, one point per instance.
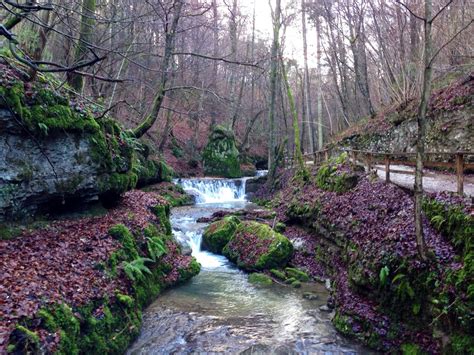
(221, 310)
(362, 236)
(79, 285)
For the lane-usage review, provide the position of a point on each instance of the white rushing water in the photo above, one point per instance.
(218, 194)
(211, 190)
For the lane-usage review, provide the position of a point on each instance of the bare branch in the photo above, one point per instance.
(441, 10)
(449, 41)
(221, 59)
(410, 11)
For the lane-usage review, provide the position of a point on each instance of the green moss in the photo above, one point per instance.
(329, 178)
(163, 214)
(220, 156)
(342, 324)
(127, 252)
(275, 249)
(218, 234)
(298, 211)
(9, 232)
(280, 227)
(297, 274)
(296, 284)
(461, 344)
(260, 279)
(410, 349)
(278, 274)
(190, 271)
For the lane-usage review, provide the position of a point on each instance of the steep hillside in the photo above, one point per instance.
(450, 126)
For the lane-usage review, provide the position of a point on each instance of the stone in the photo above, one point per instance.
(218, 234)
(325, 308)
(255, 246)
(260, 279)
(311, 296)
(221, 156)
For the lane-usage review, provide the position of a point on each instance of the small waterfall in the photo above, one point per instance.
(212, 190)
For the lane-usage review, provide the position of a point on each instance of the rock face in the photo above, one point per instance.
(54, 153)
(450, 126)
(253, 185)
(220, 156)
(255, 246)
(36, 171)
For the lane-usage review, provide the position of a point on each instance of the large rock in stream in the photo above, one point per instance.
(251, 245)
(221, 156)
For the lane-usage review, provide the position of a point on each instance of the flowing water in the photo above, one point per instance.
(219, 310)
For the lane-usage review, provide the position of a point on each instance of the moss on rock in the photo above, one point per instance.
(260, 279)
(220, 156)
(298, 274)
(218, 234)
(255, 246)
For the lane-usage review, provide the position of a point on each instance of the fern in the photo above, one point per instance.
(135, 269)
(438, 221)
(403, 290)
(384, 275)
(156, 247)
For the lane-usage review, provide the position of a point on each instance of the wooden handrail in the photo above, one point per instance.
(370, 159)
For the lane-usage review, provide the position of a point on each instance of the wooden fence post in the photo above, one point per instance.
(460, 172)
(387, 168)
(326, 155)
(353, 158)
(369, 162)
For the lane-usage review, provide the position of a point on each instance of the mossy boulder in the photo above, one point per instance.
(255, 246)
(218, 234)
(221, 156)
(260, 279)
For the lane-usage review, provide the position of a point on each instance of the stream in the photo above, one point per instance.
(219, 310)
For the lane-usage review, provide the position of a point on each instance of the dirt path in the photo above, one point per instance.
(432, 181)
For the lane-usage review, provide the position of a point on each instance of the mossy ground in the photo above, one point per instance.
(109, 324)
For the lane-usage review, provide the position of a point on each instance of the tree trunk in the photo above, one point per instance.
(319, 107)
(303, 113)
(215, 53)
(273, 82)
(164, 68)
(85, 37)
(301, 171)
(309, 113)
(421, 121)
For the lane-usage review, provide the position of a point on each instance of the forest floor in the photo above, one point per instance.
(60, 262)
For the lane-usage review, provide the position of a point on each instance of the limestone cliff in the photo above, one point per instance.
(54, 152)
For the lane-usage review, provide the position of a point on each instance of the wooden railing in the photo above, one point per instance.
(456, 161)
